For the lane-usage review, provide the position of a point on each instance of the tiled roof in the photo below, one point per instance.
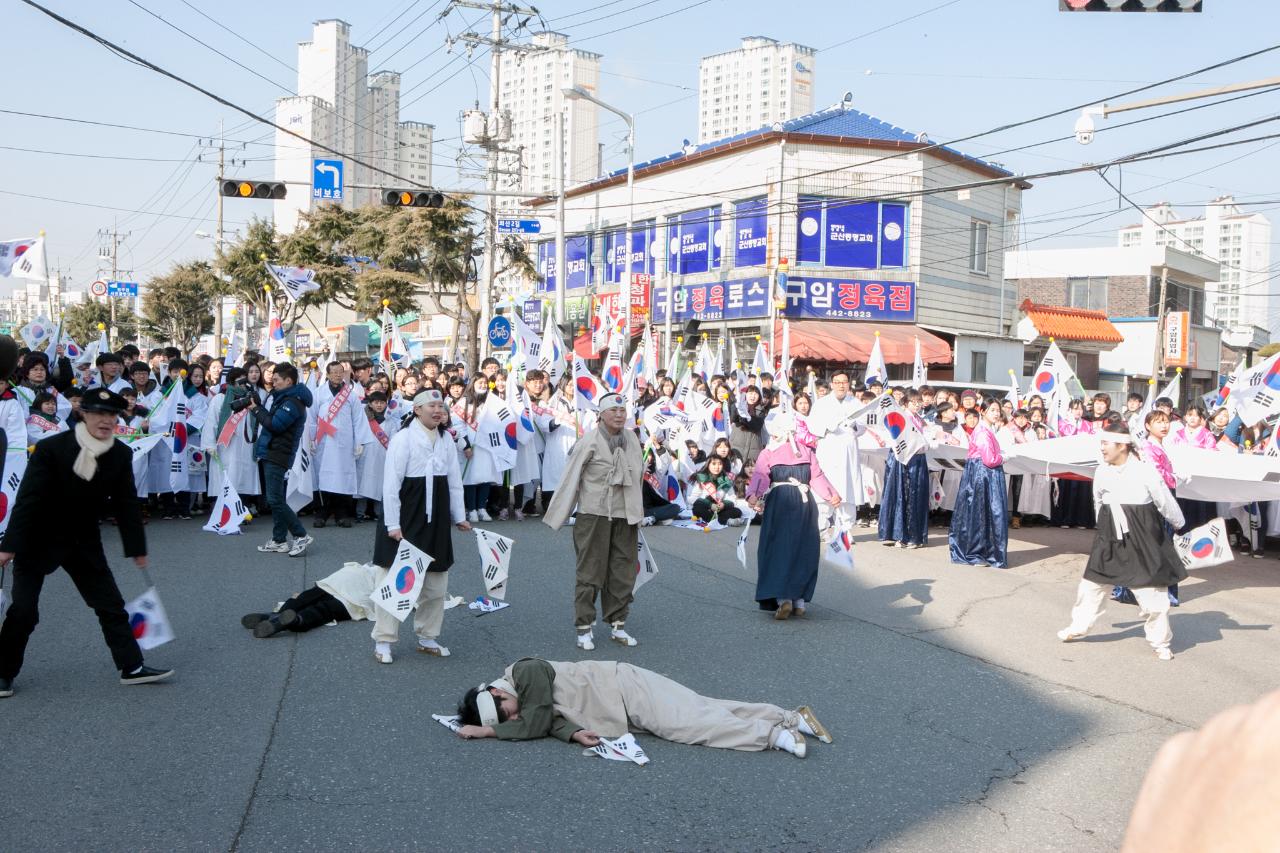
(839, 121)
(1071, 324)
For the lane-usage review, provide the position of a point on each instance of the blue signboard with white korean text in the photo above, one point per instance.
(122, 289)
(326, 179)
(850, 299)
(578, 251)
(719, 300)
(531, 314)
(616, 260)
(694, 241)
(751, 232)
(519, 226)
(851, 234)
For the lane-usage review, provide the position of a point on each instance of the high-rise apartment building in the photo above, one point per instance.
(532, 94)
(1239, 242)
(340, 105)
(758, 84)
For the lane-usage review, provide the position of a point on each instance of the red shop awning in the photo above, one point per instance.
(850, 342)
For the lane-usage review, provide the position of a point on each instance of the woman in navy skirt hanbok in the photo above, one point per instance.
(904, 505)
(787, 477)
(980, 524)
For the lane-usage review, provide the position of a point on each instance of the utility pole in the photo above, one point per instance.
(113, 234)
(497, 132)
(217, 241)
(1157, 366)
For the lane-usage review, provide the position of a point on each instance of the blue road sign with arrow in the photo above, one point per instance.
(326, 179)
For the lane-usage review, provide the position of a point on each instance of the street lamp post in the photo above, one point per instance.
(577, 92)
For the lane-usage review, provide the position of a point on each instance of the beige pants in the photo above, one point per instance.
(1091, 600)
(428, 618)
(607, 550)
(673, 712)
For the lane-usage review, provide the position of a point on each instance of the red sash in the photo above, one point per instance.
(46, 425)
(461, 412)
(324, 426)
(378, 433)
(229, 428)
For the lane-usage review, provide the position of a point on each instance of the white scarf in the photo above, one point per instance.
(90, 449)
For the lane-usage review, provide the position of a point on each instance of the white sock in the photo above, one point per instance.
(382, 648)
(785, 741)
(428, 644)
(798, 603)
(805, 728)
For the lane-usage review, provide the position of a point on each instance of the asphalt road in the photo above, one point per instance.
(960, 722)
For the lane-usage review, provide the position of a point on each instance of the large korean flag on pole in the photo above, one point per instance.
(22, 258)
(398, 594)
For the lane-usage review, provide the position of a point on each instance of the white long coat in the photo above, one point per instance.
(335, 456)
(371, 463)
(560, 441)
(236, 458)
(837, 449)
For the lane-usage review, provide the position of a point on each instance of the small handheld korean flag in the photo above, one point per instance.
(299, 480)
(228, 512)
(646, 566)
(8, 493)
(742, 539)
(148, 621)
(839, 550)
(495, 562)
(296, 282)
(624, 748)
(1204, 546)
(398, 594)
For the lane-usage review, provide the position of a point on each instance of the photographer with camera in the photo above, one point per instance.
(282, 427)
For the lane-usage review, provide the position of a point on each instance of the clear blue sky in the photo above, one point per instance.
(968, 66)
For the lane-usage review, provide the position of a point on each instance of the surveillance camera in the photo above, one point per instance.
(1084, 129)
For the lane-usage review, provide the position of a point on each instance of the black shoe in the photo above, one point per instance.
(318, 523)
(145, 675)
(344, 522)
(267, 628)
(6, 688)
(251, 620)
(288, 618)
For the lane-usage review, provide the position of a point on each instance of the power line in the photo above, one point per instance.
(888, 26)
(94, 156)
(122, 126)
(107, 207)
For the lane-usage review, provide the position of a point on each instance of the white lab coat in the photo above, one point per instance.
(415, 453)
(560, 441)
(236, 459)
(837, 449)
(335, 456)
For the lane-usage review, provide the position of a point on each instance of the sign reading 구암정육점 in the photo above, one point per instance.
(844, 299)
(1177, 339)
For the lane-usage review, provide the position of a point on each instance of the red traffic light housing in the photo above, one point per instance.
(253, 189)
(412, 198)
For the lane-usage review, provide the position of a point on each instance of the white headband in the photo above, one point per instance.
(1115, 437)
(486, 706)
(426, 397)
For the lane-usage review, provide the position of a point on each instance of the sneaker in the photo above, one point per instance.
(382, 652)
(530, 510)
(621, 637)
(288, 617)
(914, 545)
(273, 547)
(647, 521)
(502, 515)
(145, 675)
(666, 522)
(300, 545)
(737, 522)
(185, 515)
(586, 642)
(888, 543)
(473, 516)
(482, 515)
(344, 522)
(318, 523)
(809, 725)
(517, 515)
(6, 688)
(431, 647)
(251, 620)
(790, 740)
(1066, 635)
(1164, 654)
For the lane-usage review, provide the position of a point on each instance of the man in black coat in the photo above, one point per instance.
(64, 492)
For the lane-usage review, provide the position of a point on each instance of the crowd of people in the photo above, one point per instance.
(413, 450)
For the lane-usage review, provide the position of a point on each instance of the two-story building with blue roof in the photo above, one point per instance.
(838, 222)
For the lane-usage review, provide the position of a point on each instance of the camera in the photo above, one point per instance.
(239, 404)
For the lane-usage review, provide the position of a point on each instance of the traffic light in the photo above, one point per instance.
(1129, 5)
(412, 198)
(253, 189)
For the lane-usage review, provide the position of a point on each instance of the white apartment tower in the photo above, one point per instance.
(341, 106)
(760, 83)
(532, 94)
(1241, 244)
